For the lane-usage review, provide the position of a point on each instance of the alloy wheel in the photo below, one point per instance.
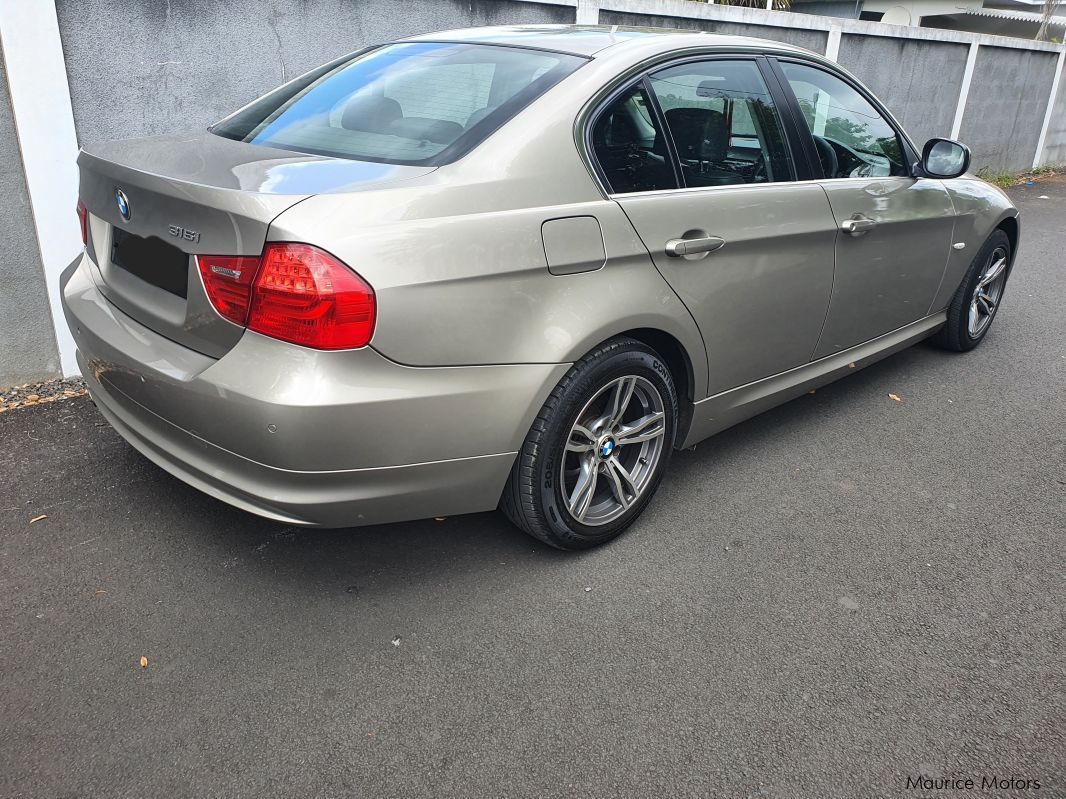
(613, 450)
(987, 293)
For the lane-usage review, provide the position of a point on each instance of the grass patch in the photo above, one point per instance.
(1007, 179)
(1002, 179)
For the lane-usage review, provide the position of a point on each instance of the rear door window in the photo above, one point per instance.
(420, 103)
(723, 122)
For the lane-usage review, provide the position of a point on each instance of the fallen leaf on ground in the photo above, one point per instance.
(38, 518)
(851, 366)
(812, 391)
(144, 662)
(101, 592)
(895, 397)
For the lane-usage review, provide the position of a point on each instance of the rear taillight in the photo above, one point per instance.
(304, 295)
(293, 292)
(83, 218)
(228, 280)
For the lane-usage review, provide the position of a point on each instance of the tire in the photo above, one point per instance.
(541, 496)
(959, 333)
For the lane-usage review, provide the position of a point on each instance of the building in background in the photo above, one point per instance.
(1018, 18)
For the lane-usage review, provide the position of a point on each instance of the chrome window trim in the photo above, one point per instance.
(591, 110)
(616, 196)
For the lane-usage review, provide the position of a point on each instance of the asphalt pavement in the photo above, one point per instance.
(839, 595)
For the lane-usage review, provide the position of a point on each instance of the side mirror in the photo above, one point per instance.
(944, 158)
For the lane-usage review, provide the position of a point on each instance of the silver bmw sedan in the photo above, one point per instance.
(515, 268)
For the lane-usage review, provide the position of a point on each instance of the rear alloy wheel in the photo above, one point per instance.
(613, 449)
(978, 298)
(597, 450)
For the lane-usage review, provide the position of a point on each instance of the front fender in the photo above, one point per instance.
(980, 208)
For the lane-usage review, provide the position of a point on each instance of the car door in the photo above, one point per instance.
(895, 230)
(696, 154)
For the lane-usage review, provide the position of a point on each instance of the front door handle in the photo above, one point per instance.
(680, 248)
(858, 224)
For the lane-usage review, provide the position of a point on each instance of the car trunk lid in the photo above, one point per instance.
(154, 203)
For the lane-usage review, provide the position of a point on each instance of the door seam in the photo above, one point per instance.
(833, 282)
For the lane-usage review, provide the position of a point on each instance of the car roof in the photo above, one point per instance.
(588, 40)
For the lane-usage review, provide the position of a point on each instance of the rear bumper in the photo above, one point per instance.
(304, 437)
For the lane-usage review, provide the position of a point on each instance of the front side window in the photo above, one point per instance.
(415, 103)
(723, 122)
(853, 139)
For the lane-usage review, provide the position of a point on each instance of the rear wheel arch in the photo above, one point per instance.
(678, 361)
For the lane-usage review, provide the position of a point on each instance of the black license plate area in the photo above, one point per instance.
(152, 260)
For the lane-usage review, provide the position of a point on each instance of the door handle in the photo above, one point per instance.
(858, 224)
(680, 248)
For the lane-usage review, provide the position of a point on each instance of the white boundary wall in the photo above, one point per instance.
(44, 121)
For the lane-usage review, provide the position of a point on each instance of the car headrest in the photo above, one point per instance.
(699, 133)
(614, 129)
(373, 114)
(438, 131)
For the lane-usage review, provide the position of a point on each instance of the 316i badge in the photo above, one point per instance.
(183, 233)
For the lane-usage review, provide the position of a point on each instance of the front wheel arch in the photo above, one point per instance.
(1010, 226)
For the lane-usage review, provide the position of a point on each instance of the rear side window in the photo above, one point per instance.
(420, 103)
(630, 147)
(723, 123)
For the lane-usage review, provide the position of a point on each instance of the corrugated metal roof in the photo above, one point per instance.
(1017, 16)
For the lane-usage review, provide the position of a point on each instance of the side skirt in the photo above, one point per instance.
(731, 407)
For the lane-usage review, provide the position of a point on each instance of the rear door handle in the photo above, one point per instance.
(679, 248)
(858, 224)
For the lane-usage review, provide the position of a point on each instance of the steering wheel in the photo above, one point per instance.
(828, 156)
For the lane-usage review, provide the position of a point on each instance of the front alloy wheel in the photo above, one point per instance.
(979, 296)
(987, 292)
(598, 448)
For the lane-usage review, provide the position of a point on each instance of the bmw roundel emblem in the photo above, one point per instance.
(607, 448)
(123, 204)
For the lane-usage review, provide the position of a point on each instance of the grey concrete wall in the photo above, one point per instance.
(1055, 143)
(139, 68)
(1006, 107)
(27, 344)
(922, 86)
(812, 40)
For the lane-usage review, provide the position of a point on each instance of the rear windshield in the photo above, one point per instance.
(418, 103)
